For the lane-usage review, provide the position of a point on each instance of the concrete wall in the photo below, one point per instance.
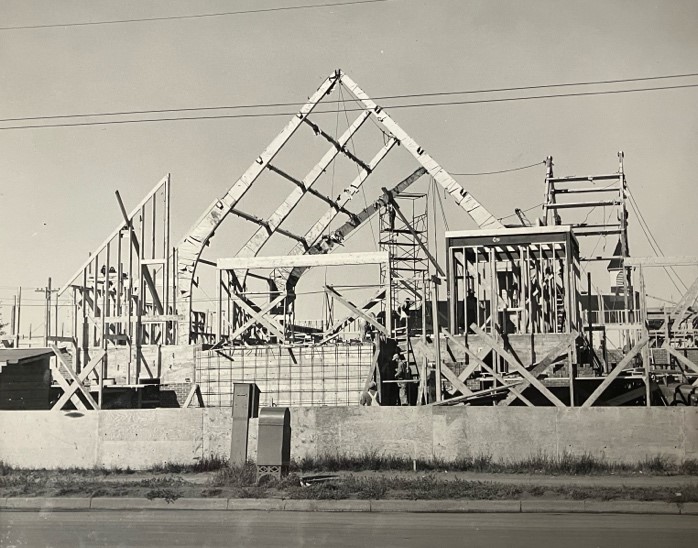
(618, 434)
(142, 438)
(118, 438)
(172, 364)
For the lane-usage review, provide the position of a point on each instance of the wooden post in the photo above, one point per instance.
(645, 334)
(18, 316)
(591, 327)
(437, 341)
(47, 314)
(12, 317)
(219, 305)
(165, 255)
(572, 368)
(105, 328)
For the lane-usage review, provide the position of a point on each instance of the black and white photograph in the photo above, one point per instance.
(403, 273)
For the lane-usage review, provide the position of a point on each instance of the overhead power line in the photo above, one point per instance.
(191, 16)
(414, 105)
(376, 98)
(654, 244)
(500, 171)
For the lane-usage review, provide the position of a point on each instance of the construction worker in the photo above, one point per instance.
(402, 373)
(370, 396)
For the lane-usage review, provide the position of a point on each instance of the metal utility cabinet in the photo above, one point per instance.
(273, 442)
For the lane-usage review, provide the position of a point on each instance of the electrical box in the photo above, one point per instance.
(245, 407)
(245, 401)
(274, 438)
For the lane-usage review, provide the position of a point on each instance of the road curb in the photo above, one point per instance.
(46, 503)
(552, 506)
(446, 506)
(128, 503)
(255, 504)
(374, 506)
(689, 508)
(292, 505)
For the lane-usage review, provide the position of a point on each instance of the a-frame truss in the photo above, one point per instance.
(190, 248)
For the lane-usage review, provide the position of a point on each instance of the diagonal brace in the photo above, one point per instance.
(258, 317)
(622, 364)
(499, 349)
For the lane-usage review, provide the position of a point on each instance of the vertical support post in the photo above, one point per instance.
(494, 308)
(388, 297)
(590, 323)
(572, 369)
(424, 310)
(165, 255)
(105, 329)
(437, 336)
(625, 252)
(12, 317)
(129, 307)
(219, 304)
(175, 324)
(18, 316)
(140, 305)
(47, 315)
(476, 284)
(95, 297)
(55, 317)
(85, 324)
(645, 333)
(452, 291)
(118, 285)
(76, 343)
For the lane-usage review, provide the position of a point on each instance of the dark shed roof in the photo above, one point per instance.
(18, 355)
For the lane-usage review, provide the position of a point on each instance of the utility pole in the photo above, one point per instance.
(47, 291)
(17, 318)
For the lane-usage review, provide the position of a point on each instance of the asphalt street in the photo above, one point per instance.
(260, 529)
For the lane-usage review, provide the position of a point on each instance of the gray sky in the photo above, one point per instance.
(57, 184)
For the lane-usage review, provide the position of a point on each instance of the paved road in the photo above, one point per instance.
(286, 529)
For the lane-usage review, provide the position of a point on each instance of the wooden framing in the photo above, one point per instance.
(335, 329)
(124, 294)
(292, 261)
(190, 248)
(260, 314)
(70, 389)
(615, 372)
(501, 351)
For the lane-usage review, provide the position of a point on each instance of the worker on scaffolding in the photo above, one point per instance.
(391, 216)
(403, 374)
(370, 396)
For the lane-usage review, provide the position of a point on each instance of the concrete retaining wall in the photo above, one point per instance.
(142, 438)
(618, 434)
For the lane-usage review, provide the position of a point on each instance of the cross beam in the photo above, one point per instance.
(258, 316)
(500, 350)
(622, 364)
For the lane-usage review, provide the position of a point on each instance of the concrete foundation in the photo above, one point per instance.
(141, 438)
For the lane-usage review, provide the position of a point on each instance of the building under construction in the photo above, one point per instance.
(527, 314)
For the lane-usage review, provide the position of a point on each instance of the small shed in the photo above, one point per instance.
(25, 378)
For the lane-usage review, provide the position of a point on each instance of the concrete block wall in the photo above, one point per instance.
(286, 375)
(142, 438)
(172, 364)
